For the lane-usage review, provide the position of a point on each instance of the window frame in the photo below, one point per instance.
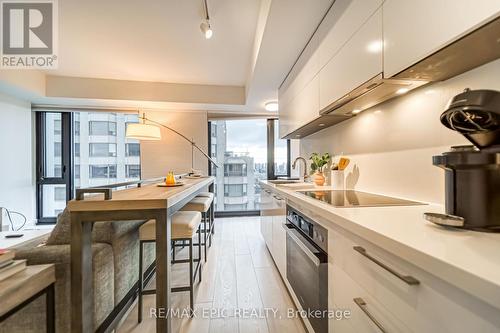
(66, 161)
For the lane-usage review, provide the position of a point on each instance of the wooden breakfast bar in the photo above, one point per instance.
(146, 202)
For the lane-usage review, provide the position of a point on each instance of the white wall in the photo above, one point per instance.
(391, 145)
(173, 153)
(17, 180)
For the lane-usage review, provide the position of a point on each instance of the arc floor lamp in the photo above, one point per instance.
(148, 130)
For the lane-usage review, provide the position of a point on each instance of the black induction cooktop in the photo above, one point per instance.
(351, 198)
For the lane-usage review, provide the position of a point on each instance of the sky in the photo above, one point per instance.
(250, 136)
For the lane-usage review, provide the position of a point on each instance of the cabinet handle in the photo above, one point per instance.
(362, 305)
(406, 278)
(277, 198)
(267, 191)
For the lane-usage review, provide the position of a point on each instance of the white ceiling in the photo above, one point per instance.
(156, 40)
(255, 44)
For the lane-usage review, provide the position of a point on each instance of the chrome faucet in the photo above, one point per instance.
(305, 176)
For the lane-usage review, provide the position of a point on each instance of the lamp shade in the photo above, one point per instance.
(143, 132)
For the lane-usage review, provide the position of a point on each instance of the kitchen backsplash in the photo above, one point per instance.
(391, 145)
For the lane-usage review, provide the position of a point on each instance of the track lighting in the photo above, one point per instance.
(205, 27)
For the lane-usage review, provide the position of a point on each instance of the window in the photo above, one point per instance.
(77, 149)
(102, 149)
(102, 171)
(76, 170)
(57, 126)
(247, 151)
(57, 149)
(53, 174)
(60, 193)
(236, 169)
(56, 177)
(213, 150)
(76, 127)
(133, 171)
(235, 190)
(102, 128)
(132, 149)
(213, 130)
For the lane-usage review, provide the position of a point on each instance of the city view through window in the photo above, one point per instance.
(240, 148)
(101, 154)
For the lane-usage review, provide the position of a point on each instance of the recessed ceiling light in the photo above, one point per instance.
(378, 112)
(356, 111)
(321, 125)
(297, 135)
(402, 91)
(271, 106)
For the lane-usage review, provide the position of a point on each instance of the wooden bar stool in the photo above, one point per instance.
(185, 225)
(202, 205)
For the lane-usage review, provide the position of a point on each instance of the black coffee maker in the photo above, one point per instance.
(472, 173)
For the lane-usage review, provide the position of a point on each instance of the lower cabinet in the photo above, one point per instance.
(388, 294)
(272, 220)
(279, 243)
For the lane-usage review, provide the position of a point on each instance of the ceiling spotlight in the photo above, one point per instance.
(205, 27)
(206, 30)
(321, 125)
(271, 106)
(356, 111)
(402, 91)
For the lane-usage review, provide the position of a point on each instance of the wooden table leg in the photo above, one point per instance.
(163, 320)
(82, 294)
(50, 309)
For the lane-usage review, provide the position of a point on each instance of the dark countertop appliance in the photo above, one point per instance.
(307, 265)
(352, 198)
(472, 173)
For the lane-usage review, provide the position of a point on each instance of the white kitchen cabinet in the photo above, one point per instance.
(266, 218)
(279, 237)
(420, 307)
(366, 313)
(359, 60)
(303, 108)
(415, 29)
(341, 23)
(300, 96)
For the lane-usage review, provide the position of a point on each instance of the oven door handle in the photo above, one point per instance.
(295, 236)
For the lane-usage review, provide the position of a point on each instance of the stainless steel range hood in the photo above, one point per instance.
(372, 92)
(473, 50)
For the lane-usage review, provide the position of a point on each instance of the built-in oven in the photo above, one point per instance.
(307, 265)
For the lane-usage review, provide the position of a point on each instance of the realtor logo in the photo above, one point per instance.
(29, 34)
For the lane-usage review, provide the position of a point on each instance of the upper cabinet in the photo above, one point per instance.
(341, 23)
(414, 30)
(359, 60)
(366, 51)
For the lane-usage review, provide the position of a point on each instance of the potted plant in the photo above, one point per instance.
(318, 162)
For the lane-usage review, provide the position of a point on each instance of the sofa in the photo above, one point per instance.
(115, 258)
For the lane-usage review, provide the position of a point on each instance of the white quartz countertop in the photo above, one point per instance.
(469, 260)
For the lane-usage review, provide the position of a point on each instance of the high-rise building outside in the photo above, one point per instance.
(101, 154)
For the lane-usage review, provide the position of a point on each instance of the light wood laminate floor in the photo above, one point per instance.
(239, 284)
